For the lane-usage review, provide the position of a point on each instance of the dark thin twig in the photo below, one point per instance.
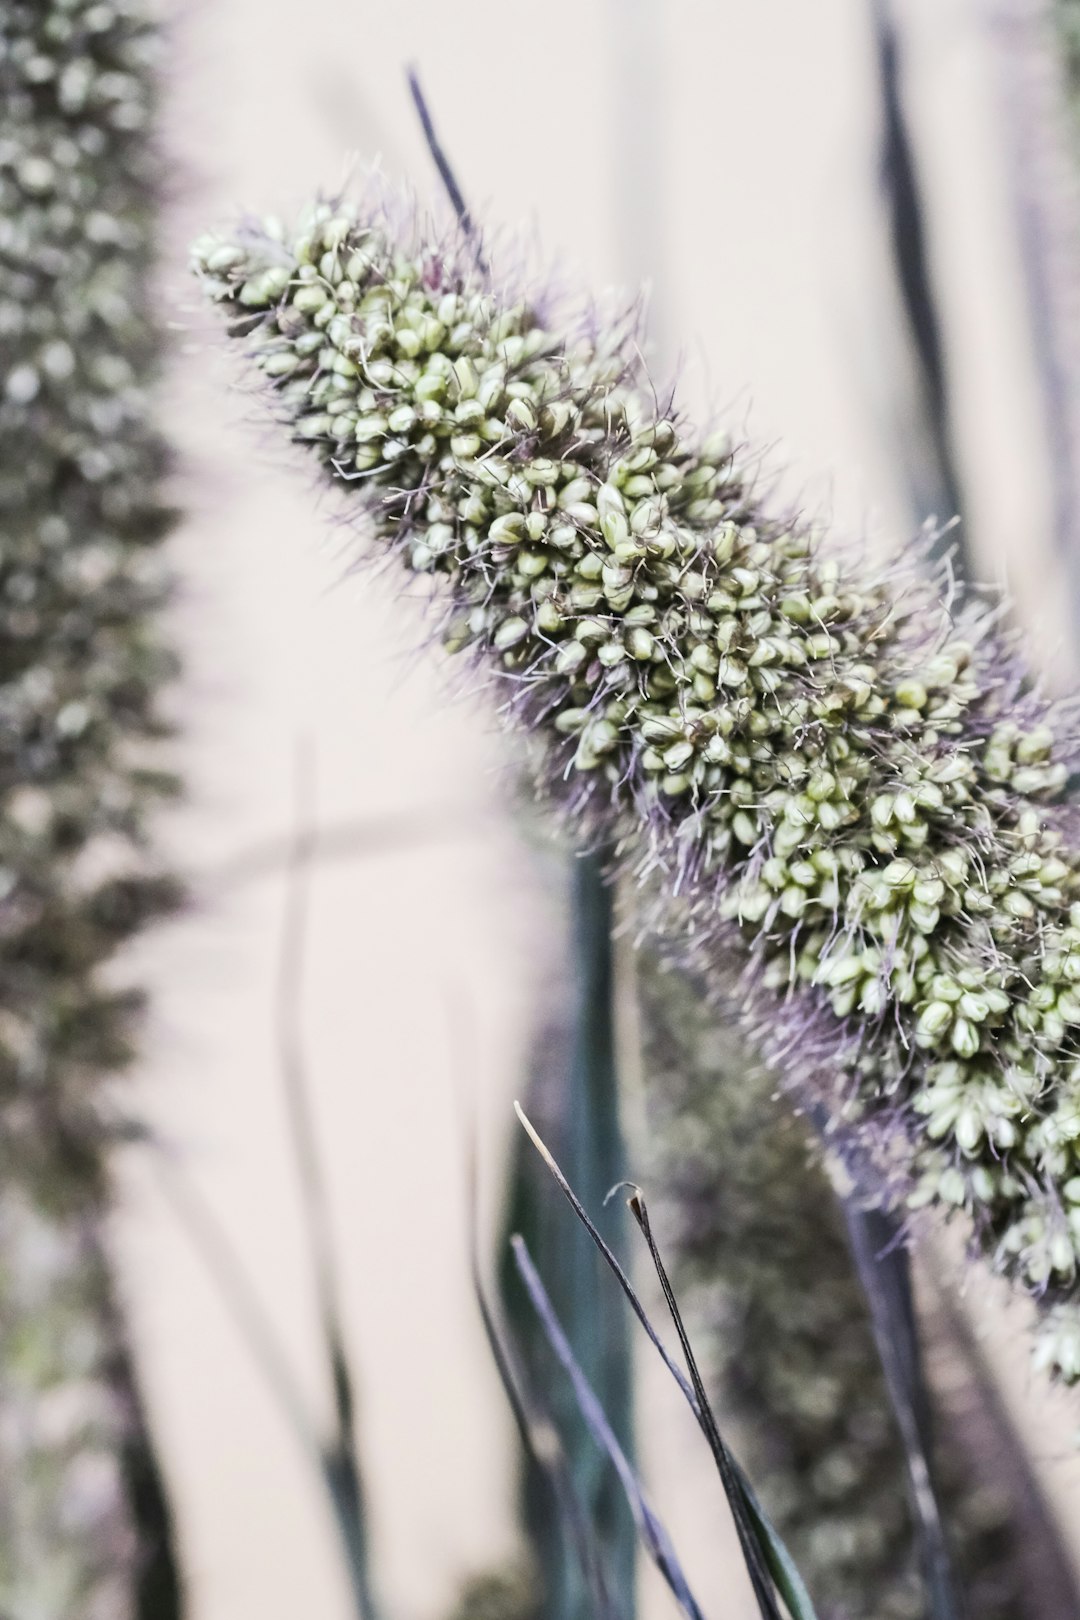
(654, 1537)
(446, 173)
(211, 1243)
(612, 1261)
(341, 1458)
(737, 1492)
(535, 1424)
(537, 1430)
(721, 1456)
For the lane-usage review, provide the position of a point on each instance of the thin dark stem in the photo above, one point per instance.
(736, 1486)
(209, 1240)
(759, 1577)
(446, 173)
(653, 1535)
(535, 1424)
(341, 1457)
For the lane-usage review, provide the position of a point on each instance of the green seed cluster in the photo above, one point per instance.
(81, 514)
(837, 779)
(761, 1263)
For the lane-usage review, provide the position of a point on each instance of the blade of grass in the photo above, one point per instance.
(535, 1423)
(254, 1325)
(574, 1085)
(777, 1559)
(543, 1446)
(654, 1537)
(766, 1548)
(341, 1458)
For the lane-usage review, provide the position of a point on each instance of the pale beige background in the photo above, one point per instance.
(726, 151)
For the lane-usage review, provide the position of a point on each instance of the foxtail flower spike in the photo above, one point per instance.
(829, 777)
(83, 1523)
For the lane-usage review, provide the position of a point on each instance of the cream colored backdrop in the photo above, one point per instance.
(726, 151)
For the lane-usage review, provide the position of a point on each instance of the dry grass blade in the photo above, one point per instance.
(234, 1287)
(766, 1557)
(442, 163)
(573, 1089)
(654, 1537)
(255, 1327)
(540, 1439)
(771, 1561)
(535, 1426)
(340, 1456)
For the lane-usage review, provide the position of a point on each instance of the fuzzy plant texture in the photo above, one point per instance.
(1067, 16)
(834, 780)
(81, 515)
(760, 1259)
(66, 1537)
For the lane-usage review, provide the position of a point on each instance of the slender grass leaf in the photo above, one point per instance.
(341, 1460)
(775, 1556)
(767, 1551)
(654, 1538)
(573, 1087)
(536, 1425)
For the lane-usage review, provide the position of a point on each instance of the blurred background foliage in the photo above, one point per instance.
(83, 1521)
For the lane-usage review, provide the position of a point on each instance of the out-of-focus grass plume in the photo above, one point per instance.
(81, 663)
(761, 1258)
(1068, 22)
(66, 1537)
(502, 1594)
